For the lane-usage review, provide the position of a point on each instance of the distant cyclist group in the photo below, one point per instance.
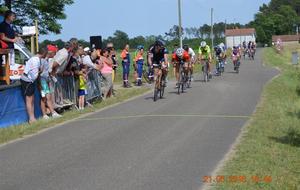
(183, 60)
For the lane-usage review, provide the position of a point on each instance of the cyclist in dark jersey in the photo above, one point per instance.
(158, 59)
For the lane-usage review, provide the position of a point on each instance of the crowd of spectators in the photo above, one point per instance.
(50, 65)
(45, 72)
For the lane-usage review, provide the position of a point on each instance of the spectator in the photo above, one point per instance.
(29, 80)
(113, 55)
(89, 59)
(126, 65)
(139, 62)
(106, 71)
(8, 34)
(82, 86)
(62, 57)
(59, 63)
(45, 85)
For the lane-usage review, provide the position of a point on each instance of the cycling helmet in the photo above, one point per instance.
(179, 52)
(203, 44)
(186, 47)
(159, 42)
(140, 47)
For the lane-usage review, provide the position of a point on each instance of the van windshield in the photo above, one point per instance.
(23, 47)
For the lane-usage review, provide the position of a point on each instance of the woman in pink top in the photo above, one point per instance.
(106, 71)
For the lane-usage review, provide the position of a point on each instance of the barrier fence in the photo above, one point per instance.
(66, 89)
(94, 84)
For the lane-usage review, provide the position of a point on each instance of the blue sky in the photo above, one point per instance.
(147, 17)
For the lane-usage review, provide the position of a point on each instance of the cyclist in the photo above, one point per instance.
(253, 47)
(178, 57)
(221, 56)
(192, 62)
(139, 62)
(205, 55)
(236, 56)
(158, 60)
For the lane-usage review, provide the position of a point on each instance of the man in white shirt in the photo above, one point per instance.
(29, 81)
(62, 57)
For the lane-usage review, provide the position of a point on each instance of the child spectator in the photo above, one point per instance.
(45, 85)
(29, 81)
(139, 62)
(82, 86)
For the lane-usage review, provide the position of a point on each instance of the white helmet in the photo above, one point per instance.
(203, 44)
(179, 52)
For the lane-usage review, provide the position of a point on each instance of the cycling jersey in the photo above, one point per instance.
(192, 53)
(185, 57)
(158, 57)
(205, 51)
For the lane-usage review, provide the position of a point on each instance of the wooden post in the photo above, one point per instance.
(32, 44)
(37, 35)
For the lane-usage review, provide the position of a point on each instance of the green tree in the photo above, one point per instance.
(174, 32)
(120, 39)
(139, 40)
(261, 35)
(47, 12)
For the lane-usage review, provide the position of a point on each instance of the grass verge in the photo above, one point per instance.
(268, 154)
(15, 132)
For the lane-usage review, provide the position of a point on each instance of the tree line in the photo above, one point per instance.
(191, 36)
(275, 18)
(279, 17)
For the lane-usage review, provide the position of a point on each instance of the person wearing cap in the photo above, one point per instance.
(139, 62)
(46, 87)
(125, 56)
(89, 59)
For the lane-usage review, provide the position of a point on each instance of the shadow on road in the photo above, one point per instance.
(232, 72)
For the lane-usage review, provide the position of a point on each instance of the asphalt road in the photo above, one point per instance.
(140, 145)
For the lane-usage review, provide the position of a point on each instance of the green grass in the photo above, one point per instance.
(15, 132)
(270, 144)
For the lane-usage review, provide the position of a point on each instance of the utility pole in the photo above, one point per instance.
(180, 24)
(212, 29)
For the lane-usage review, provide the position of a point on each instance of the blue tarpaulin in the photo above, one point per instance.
(13, 109)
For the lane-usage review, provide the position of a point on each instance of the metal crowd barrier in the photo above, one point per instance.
(65, 92)
(94, 85)
(66, 89)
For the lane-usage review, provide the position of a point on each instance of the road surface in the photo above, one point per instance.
(140, 145)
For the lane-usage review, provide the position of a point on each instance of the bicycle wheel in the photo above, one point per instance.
(205, 73)
(155, 94)
(162, 91)
(183, 81)
(180, 81)
(237, 67)
(145, 76)
(156, 90)
(189, 80)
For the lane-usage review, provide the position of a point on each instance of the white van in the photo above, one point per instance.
(22, 54)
